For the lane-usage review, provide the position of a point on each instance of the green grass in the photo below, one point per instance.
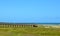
(30, 31)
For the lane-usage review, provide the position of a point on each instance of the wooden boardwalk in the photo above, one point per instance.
(18, 25)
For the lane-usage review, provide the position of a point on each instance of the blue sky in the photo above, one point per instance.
(30, 11)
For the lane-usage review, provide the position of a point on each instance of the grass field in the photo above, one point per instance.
(30, 31)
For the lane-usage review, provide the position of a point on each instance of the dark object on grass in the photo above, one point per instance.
(35, 26)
